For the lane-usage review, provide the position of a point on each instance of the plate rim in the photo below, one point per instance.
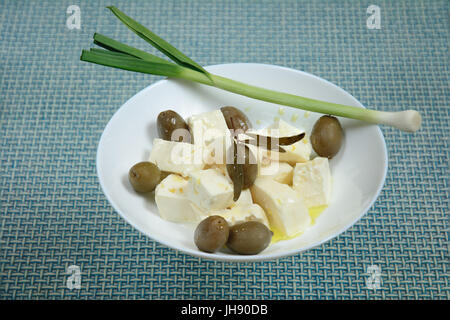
(241, 258)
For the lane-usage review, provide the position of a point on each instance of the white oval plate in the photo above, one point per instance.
(358, 171)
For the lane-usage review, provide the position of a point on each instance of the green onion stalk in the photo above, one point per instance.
(119, 55)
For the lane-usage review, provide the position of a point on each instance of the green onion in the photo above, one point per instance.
(159, 43)
(128, 58)
(113, 59)
(113, 45)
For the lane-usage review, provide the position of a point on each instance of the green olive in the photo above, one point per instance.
(144, 176)
(250, 168)
(327, 136)
(246, 158)
(171, 126)
(249, 237)
(164, 175)
(235, 119)
(211, 234)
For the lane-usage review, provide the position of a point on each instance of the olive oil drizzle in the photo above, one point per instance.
(314, 213)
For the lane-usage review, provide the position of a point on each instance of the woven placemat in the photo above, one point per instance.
(53, 109)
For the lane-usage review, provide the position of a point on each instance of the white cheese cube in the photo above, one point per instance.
(222, 168)
(243, 213)
(296, 152)
(312, 181)
(210, 190)
(244, 199)
(246, 195)
(207, 126)
(262, 155)
(285, 210)
(284, 128)
(176, 157)
(278, 171)
(216, 151)
(173, 203)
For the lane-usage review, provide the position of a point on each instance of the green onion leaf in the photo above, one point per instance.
(110, 44)
(159, 43)
(115, 53)
(118, 60)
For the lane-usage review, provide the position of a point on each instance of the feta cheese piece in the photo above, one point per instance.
(216, 151)
(173, 203)
(210, 190)
(244, 199)
(176, 157)
(262, 155)
(278, 171)
(222, 168)
(285, 210)
(296, 152)
(312, 181)
(243, 213)
(207, 126)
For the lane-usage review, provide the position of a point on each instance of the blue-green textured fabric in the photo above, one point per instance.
(53, 109)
